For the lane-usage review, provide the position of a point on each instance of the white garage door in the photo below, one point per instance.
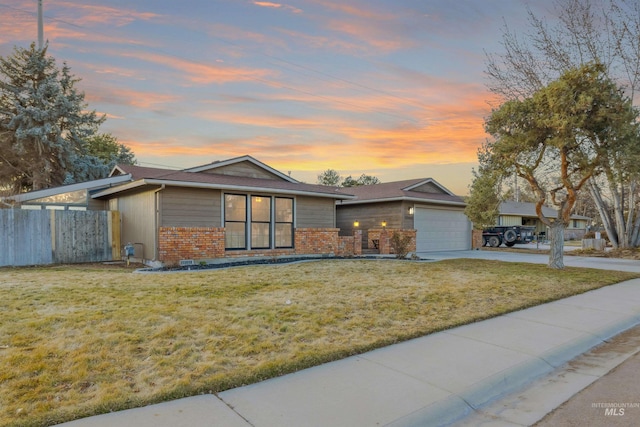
(441, 230)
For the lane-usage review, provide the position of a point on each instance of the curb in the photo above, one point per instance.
(458, 406)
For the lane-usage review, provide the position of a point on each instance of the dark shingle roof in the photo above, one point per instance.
(154, 176)
(397, 190)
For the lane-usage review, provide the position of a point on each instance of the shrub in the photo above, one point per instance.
(400, 243)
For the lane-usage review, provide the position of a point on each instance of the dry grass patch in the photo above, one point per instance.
(77, 341)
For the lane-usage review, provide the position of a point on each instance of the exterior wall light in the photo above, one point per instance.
(411, 210)
(384, 224)
(356, 223)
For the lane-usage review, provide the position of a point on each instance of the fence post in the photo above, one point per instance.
(114, 234)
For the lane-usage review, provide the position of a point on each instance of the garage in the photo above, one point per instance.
(441, 230)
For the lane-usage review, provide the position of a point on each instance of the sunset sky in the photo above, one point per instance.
(390, 88)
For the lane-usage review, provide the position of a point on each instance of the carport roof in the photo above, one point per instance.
(527, 209)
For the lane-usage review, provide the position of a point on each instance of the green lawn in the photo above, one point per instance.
(81, 340)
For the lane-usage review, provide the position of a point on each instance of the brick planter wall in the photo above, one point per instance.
(317, 241)
(383, 236)
(202, 243)
(176, 243)
(350, 245)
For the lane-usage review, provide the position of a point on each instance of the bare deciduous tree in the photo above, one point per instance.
(586, 31)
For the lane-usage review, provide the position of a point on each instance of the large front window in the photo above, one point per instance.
(258, 222)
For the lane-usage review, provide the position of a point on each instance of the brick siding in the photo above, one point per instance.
(176, 243)
(383, 237)
(319, 241)
(202, 243)
(476, 239)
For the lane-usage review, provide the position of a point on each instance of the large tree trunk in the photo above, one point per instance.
(607, 221)
(556, 235)
(618, 212)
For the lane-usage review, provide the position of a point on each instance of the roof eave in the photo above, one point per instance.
(405, 199)
(38, 194)
(227, 187)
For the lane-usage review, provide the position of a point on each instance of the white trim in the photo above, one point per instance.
(403, 198)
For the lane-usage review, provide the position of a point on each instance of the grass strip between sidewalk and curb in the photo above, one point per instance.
(82, 340)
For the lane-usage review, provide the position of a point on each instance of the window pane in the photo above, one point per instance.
(284, 236)
(235, 207)
(72, 197)
(260, 209)
(284, 210)
(235, 235)
(260, 235)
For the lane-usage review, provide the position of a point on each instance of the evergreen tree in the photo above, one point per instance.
(44, 124)
(106, 147)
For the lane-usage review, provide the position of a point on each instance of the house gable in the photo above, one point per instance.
(428, 186)
(245, 169)
(245, 166)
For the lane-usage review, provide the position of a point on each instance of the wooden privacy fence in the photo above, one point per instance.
(35, 237)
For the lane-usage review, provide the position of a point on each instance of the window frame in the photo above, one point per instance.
(269, 222)
(225, 221)
(276, 222)
(273, 224)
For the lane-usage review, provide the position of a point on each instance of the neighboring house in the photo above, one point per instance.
(423, 205)
(520, 213)
(234, 208)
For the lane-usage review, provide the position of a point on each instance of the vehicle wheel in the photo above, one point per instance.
(484, 241)
(494, 241)
(509, 244)
(510, 236)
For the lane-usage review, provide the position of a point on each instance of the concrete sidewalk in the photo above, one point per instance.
(429, 381)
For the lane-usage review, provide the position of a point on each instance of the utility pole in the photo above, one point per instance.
(40, 26)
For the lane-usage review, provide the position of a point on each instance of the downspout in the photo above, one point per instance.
(156, 219)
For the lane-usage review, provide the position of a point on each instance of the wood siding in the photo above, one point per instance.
(97, 205)
(510, 220)
(370, 215)
(138, 217)
(190, 207)
(247, 169)
(429, 188)
(312, 212)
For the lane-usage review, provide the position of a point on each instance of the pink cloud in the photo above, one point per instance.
(130, 97)
(277, 6)
(87, 14)
(202, 73)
